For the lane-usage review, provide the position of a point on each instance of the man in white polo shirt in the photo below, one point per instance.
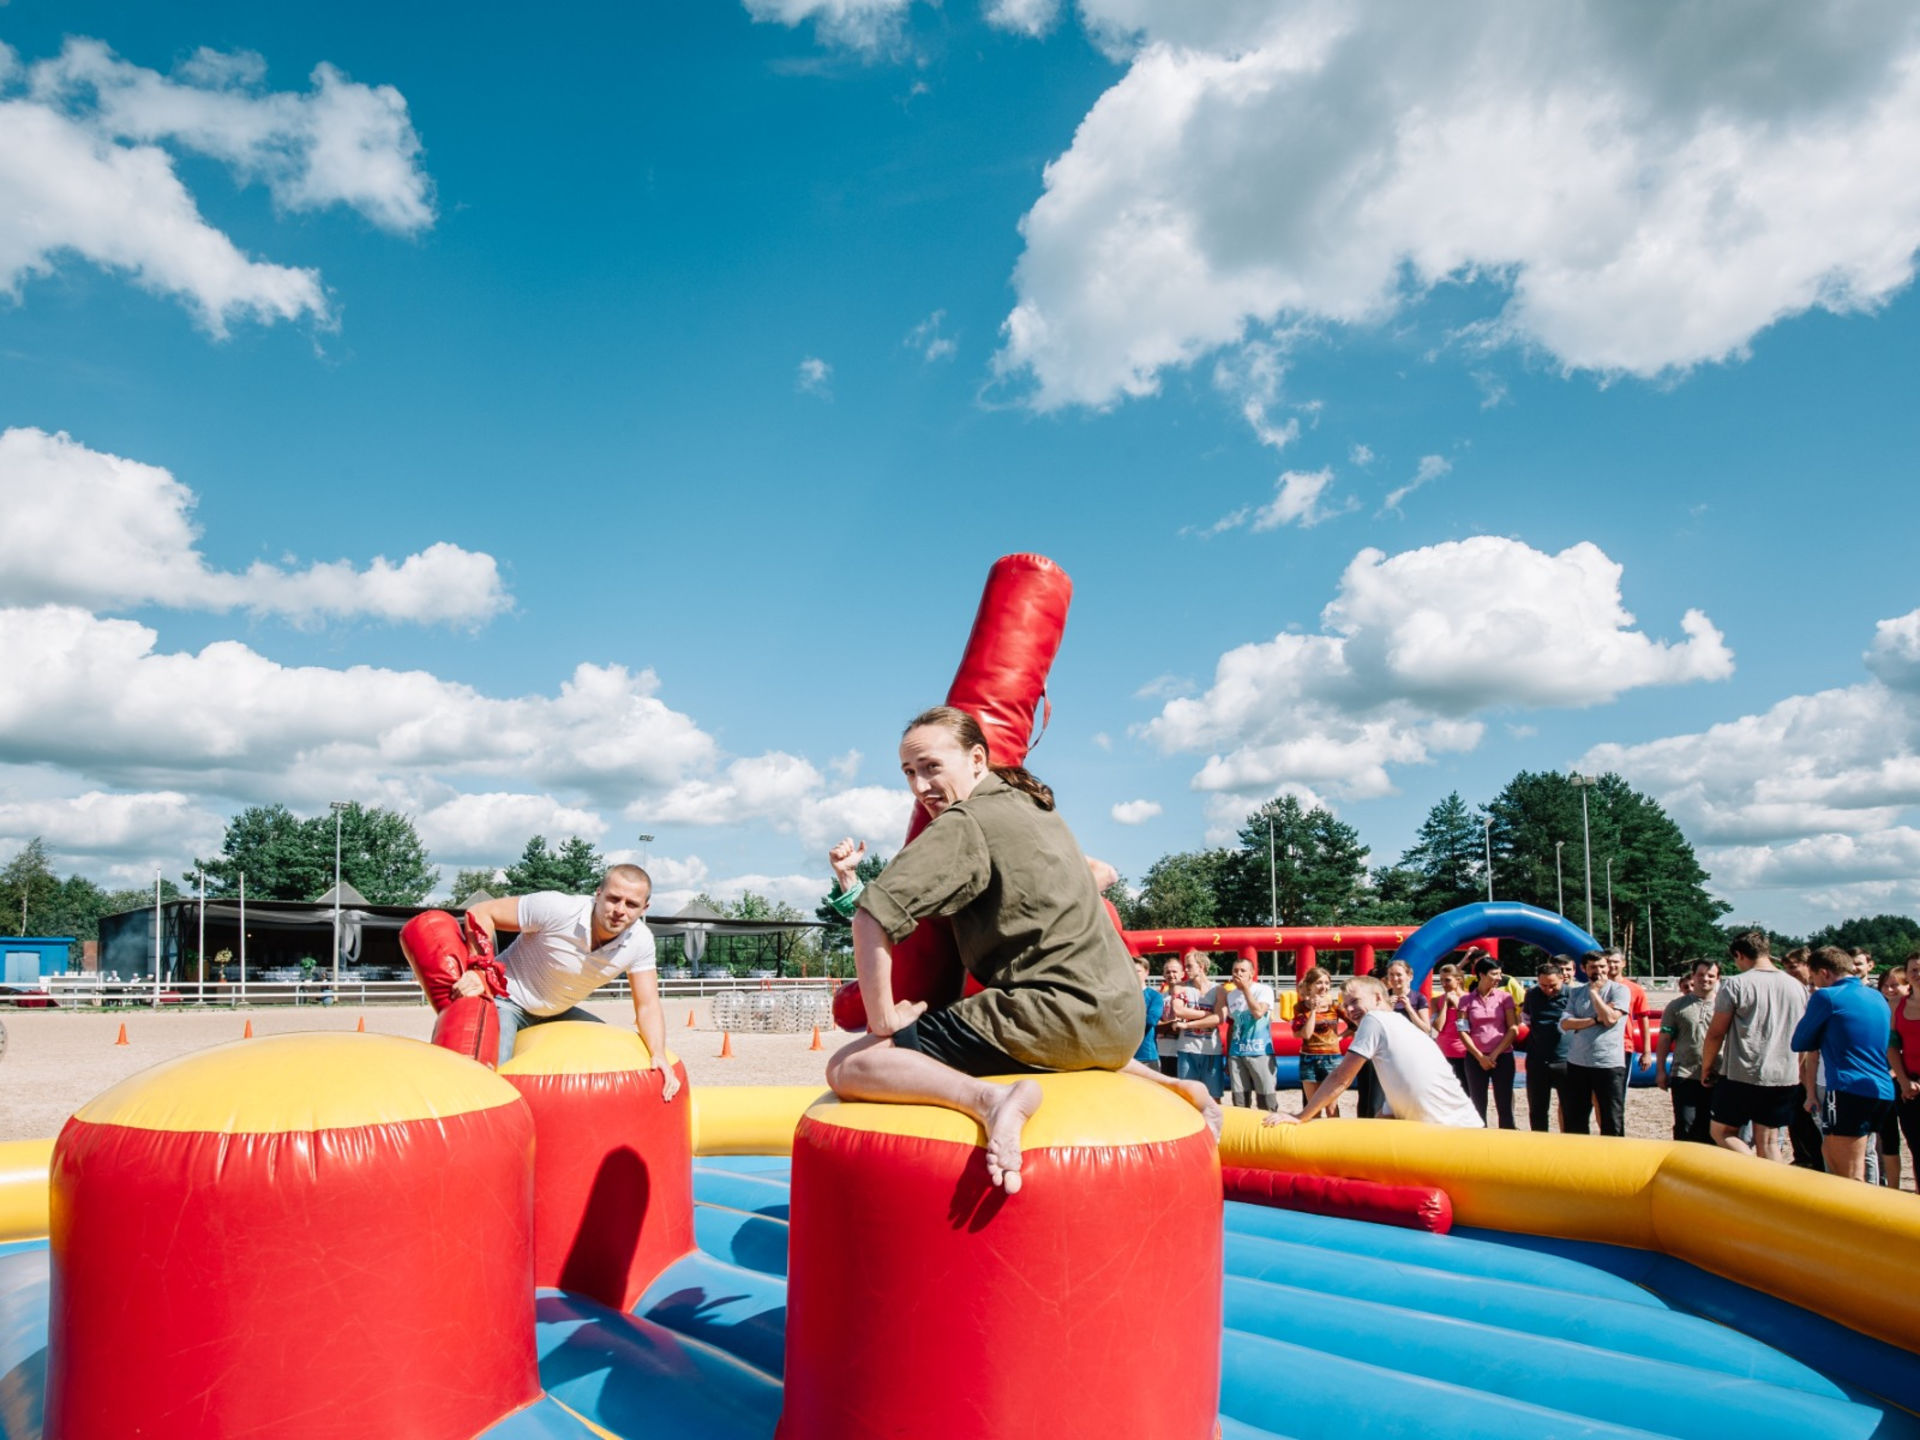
(566, 948)
(1414, 1076)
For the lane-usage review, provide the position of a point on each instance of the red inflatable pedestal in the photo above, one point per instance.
(613, 1163)
(309, 1237)
(922, 1301)
(1001, 682)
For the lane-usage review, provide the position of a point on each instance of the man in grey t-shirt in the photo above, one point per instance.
(1752, 1033)
(1596, 1024)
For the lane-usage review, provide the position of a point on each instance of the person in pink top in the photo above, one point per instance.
(1450, 993)
(1490, 1026)
(1903, 1056)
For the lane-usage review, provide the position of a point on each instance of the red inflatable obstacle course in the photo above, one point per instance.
(1413, 1207)
(612, 1163)
(1002, 681)
(982, 1316)
(252, 1240)
(1306, 942)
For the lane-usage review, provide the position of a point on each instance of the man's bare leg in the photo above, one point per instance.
(1191, 1091)
(874, 1068)
(1727, 1137)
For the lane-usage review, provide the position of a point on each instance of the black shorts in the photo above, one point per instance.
(1737, 1103)
(1851, 1116)
(944, 1036)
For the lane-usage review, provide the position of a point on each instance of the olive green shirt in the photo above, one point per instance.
(1029, 924)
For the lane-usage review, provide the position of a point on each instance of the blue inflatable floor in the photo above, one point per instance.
(1335, 1330)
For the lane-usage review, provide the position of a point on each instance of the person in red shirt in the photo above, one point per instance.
(1639, 1037)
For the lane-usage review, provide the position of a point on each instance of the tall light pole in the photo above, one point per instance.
(1649, 937)
(337, 807)
(645, 840)
(1489, 832)
(1586, 783)
(1609, 903)
(156, 937)
(1559, 885)
(1273, 882)
(201, 954)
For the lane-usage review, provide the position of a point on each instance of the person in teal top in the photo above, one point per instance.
(1149, 1051)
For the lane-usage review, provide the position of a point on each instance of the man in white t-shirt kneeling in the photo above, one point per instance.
(1414, 1076)
(567, 947)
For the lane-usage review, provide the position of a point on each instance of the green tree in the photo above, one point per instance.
(1392, 897)
(287, 858)
(576, 868)
(1314, 867)
(1652, 864)
(465, 882)
(1446, 859)
(837, 938)
(1181, 891)
(1888, 938)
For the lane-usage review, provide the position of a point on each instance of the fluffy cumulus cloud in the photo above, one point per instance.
(1646, 188)
(1814, 794)
(88, 145)
(96, 824)
(1412, 649)
(677, 879)
(814, 376)
(859, 24)
(142, 549)
(1135, 812)
(1027, 17)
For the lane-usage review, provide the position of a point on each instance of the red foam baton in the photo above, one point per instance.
(441, 951)
(1001, 682)
(1412, 1207)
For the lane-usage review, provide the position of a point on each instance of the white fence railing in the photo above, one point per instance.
(790, 995)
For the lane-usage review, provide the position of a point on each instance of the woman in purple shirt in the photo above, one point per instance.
(1489, 1025)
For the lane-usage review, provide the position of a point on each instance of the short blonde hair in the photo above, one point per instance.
(1371, 984)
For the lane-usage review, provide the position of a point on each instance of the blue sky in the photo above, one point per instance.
(1392, 392)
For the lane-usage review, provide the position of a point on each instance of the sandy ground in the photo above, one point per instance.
(55, 1061)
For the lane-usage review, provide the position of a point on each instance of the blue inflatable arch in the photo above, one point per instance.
(1500, 919)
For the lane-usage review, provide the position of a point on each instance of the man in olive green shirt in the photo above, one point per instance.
(1683, 1034)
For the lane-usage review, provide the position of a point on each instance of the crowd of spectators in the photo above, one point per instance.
(1796, 1061)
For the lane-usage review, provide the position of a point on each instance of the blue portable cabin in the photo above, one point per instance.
(28, 957)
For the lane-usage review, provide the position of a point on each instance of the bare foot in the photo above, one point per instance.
(1005, 1119)
(1198, 1096)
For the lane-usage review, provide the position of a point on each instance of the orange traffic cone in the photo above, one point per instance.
(361, 1028)
(726, 1045)
(123, 1035)
(689, 1017)
(816, 1045)
(248, 1034)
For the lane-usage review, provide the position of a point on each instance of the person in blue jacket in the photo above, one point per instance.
(1849, 1026)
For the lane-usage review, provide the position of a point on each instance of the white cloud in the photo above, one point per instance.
(96, 697)
(1647, 188)
(814, 377)
(1296, 501)
(131, 827)
(1814, 794)
(676, 880)
(86, 169)
(1413, 647)
(141, 549)
(1026, 17)
(1431, 467)
(1103, 740)
(1135, 812)
(859, 24)
(1360, 455)
(926, 339)
(490, 828)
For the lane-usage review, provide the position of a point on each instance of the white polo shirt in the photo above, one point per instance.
(1413, 1074)
(552, 965)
